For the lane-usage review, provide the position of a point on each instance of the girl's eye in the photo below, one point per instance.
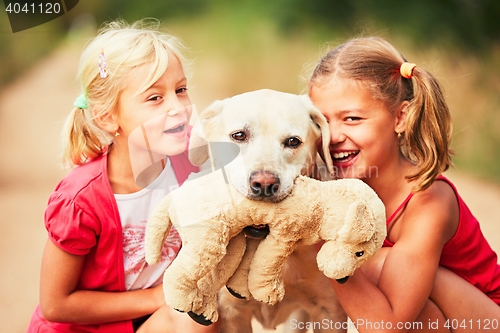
(181, 90)
(351, 119)
(154, 98)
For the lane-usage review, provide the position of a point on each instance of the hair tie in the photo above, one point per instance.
(406, 69)
(81, 102)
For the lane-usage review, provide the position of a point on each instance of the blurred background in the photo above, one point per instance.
(251, 44)
(236, 46)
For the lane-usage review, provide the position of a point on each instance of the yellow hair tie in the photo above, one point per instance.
(406, 69)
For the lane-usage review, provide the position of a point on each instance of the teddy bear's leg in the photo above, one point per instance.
(204, 246)
(265, 275)
(238, 282)
(211, 283)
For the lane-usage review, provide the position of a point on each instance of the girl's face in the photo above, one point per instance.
(158, 118)
(363, 138)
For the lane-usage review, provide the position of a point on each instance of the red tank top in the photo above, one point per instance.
(467, 253)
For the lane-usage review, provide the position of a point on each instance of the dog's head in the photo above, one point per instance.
(277, 134)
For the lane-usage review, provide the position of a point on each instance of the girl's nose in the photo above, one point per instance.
(173, 112)
(336, 134)
(176, 107)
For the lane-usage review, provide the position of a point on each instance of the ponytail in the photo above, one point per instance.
(82, 139)
(428, 130)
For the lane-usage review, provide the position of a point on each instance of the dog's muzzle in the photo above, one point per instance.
(264, 184)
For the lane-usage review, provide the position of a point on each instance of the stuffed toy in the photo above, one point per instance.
(210, 214)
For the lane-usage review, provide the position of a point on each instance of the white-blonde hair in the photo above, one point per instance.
(125, 47)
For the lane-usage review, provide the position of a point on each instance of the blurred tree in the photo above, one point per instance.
(469, 24)
(132, 10)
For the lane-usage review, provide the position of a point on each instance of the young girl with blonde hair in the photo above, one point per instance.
(127, 137)
(390, 126)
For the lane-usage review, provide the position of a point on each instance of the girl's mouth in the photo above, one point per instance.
(344, 157)
(177, 129)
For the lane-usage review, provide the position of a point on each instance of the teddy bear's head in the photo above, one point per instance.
(357, 241)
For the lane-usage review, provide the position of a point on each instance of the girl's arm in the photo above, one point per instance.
(407, 276)
(60, 302)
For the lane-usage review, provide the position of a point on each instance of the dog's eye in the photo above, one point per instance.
(360, 253)
(239, 136)
(293, 142)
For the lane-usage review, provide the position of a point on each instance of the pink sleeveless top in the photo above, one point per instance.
(467, 253)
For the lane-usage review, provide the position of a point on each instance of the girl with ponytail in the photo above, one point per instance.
(391, 127)
(126, 138)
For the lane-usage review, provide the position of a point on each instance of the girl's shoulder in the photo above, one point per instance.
(81, 208)
(83, 177)
(441, 192)
(435, 209)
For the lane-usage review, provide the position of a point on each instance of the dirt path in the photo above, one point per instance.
(31, 113)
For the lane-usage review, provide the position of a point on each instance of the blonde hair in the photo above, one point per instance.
(375, 63)
(125, 47)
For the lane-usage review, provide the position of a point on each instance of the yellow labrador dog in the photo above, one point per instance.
(277, 135)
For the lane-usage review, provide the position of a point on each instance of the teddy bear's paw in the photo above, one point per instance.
(342, 280)
(208, 314)
(238, 285)
(183, 299)
(270, 296)
(237, 294)
(200, 318)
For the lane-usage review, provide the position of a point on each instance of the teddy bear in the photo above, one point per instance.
(210, 214)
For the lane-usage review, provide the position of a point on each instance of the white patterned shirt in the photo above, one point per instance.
(134, 210)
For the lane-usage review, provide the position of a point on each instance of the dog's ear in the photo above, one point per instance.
(200, 134)
(322, 124)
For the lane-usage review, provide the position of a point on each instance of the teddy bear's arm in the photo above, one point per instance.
(157, 230)
(203, 247)
(211, 283)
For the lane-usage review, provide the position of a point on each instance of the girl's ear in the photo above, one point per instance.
(105, 122)
(401, 113)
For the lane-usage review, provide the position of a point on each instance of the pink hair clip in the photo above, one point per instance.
(103, 68)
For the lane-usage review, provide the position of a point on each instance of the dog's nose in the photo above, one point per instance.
(264, 183)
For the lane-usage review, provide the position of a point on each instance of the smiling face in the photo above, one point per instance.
(363, 138)
(158, 117)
